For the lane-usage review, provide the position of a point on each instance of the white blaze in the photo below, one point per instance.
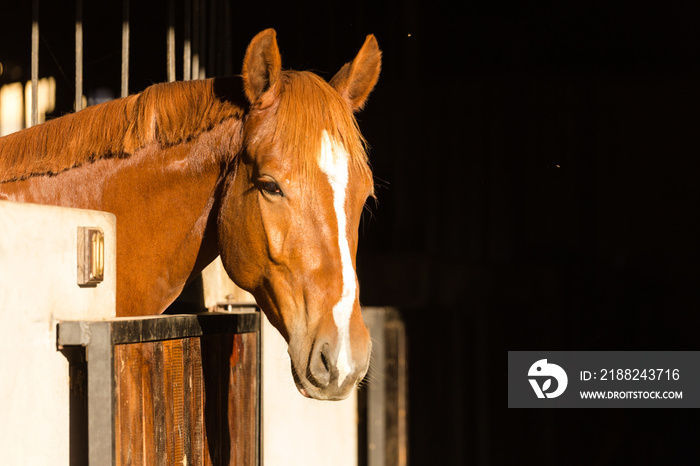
(334, 161)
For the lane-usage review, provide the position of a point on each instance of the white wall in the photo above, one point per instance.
(38, 287)
(298, 431)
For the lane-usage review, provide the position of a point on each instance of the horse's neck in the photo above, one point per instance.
(164, 201)
(164, 214)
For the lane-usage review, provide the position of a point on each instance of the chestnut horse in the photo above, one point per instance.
(268, 170)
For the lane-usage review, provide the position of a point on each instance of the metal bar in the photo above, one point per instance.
(125, 50)
(187, 44)
(100, 359)
(73, 333)
(195, 39)
(78, 55)
(171, 41)
(228, 42)
(202, 71)
(35, 63)
(212, 28)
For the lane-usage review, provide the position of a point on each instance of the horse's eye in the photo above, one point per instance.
(271, 187)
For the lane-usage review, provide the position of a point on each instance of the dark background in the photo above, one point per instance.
(537, 190)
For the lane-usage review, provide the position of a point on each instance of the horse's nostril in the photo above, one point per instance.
(324, 359)
(321, 366)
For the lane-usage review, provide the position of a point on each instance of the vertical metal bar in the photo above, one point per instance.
(211, 49)
(228, 46)
(171, 40)
(187, 45)
(195, 39)
(202, 72)
(101, 383)
(35, 63)
(78, 55)
(125, 50)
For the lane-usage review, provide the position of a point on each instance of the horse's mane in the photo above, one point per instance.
(171, 113)
(164, 113)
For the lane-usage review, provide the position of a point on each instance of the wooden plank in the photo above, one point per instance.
(178, 399)
(205, 402)
(243, 399)
(168, 417)
(181, 326)
(196, 402)
(188, 393)
(160, 402)
(148, 394)
(216, 439)
(163, 327)
(128, 429)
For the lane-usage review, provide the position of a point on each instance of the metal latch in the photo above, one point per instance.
(91, 256)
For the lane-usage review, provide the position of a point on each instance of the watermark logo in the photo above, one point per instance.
(541, 374)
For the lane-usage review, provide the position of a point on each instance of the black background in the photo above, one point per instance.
(537, 190)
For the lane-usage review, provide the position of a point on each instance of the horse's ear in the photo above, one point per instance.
(356, 80)
(262, 65)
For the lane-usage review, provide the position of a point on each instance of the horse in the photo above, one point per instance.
(267, 169)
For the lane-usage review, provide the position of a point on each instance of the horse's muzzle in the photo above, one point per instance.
(328, 378)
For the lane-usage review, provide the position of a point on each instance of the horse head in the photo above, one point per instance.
(290, 212)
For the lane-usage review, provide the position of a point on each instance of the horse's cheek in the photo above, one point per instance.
(273, 232)
(236, 244)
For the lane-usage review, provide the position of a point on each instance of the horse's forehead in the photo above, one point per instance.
(303, 148)
(333, 159)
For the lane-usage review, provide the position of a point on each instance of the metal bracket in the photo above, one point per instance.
(91, 256)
